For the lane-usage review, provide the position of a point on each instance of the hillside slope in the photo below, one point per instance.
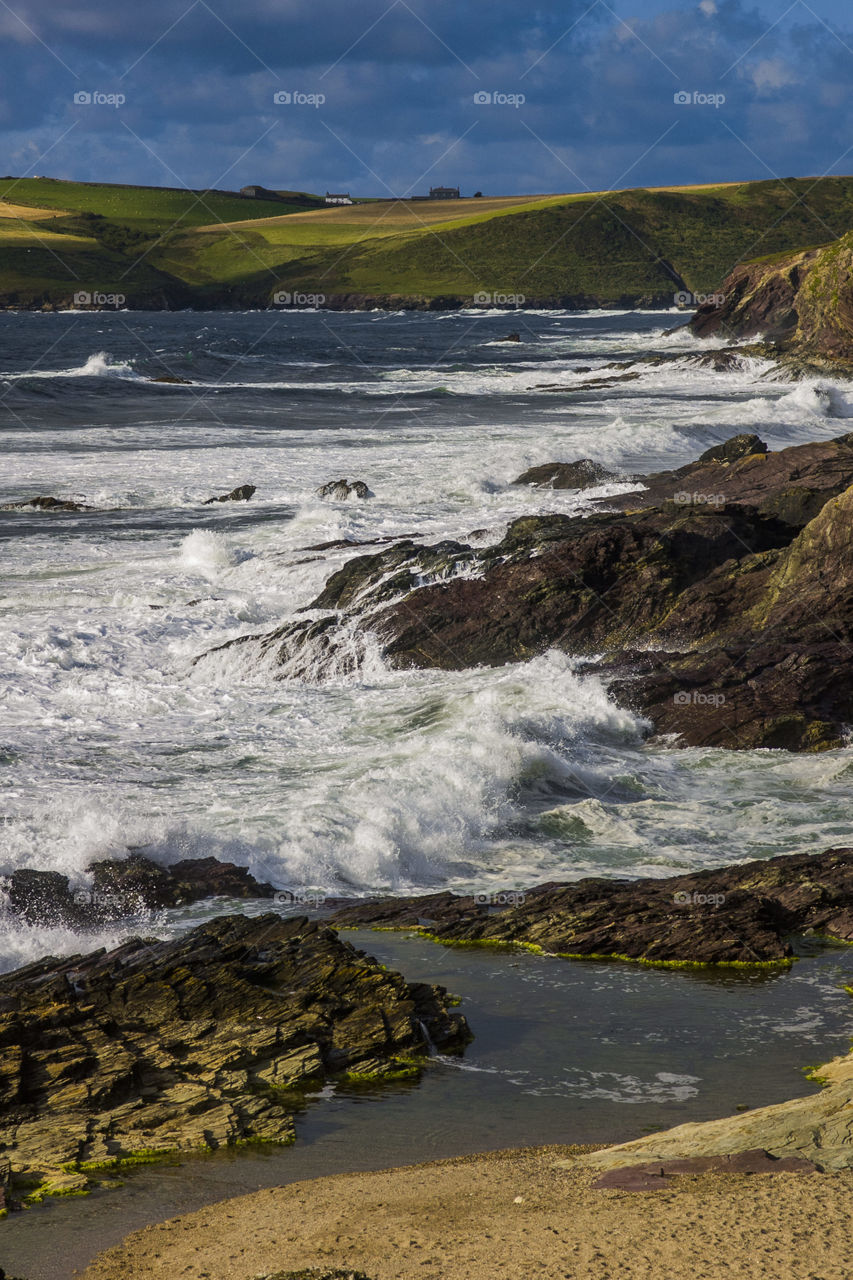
(639, 247)
(58, 239)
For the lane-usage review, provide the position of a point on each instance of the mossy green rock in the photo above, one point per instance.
(803, 300)
(206, 1041)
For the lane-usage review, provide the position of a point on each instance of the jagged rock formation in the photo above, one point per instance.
(208, 1040)
(743, 914)
(242, 493)
(718, 599)
(340, 490)
(583, 474)
(50, 504)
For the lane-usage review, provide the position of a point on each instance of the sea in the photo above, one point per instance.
(113, 738)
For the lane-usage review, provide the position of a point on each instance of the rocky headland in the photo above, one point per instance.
(716, 599)
(802, 302)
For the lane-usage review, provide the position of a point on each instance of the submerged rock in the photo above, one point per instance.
(805, 1134)
(741, 914)
(583, 474)
(242, 493)
(205, 1041)
(51, 504)
(340, 490)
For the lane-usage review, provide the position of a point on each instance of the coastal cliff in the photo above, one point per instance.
(801, 301)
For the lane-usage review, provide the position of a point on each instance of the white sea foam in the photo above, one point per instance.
(99, 365)
(351, 776)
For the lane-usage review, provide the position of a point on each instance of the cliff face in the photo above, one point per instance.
(803, 301)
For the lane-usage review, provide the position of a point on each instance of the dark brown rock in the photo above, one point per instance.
(123, 887)
(802, 301)
(740, 914)
(242, 493)
(583, 474)
(343, 489)
(719, 598)
(51, 504)
(736, 447)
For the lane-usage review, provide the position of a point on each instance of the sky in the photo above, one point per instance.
(381, 97)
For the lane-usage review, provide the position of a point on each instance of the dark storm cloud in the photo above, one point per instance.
(400, 79)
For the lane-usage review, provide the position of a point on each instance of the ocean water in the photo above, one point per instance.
(111, 738)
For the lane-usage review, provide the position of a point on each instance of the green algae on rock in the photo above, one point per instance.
(737, 916)
(213, 1039)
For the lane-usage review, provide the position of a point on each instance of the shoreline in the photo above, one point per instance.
(484, 1216)
(372, 302)
(487, 1216)
(503, 1096)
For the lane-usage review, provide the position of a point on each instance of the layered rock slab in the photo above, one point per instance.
(744, 915)
(204, 1041)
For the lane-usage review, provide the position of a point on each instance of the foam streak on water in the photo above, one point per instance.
(112, 737)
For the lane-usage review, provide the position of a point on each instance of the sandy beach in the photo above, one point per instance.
(506, 1216)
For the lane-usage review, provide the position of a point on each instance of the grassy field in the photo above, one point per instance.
(58, 238)
(167, 247)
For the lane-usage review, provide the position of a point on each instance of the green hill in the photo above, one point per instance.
(164, 247)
